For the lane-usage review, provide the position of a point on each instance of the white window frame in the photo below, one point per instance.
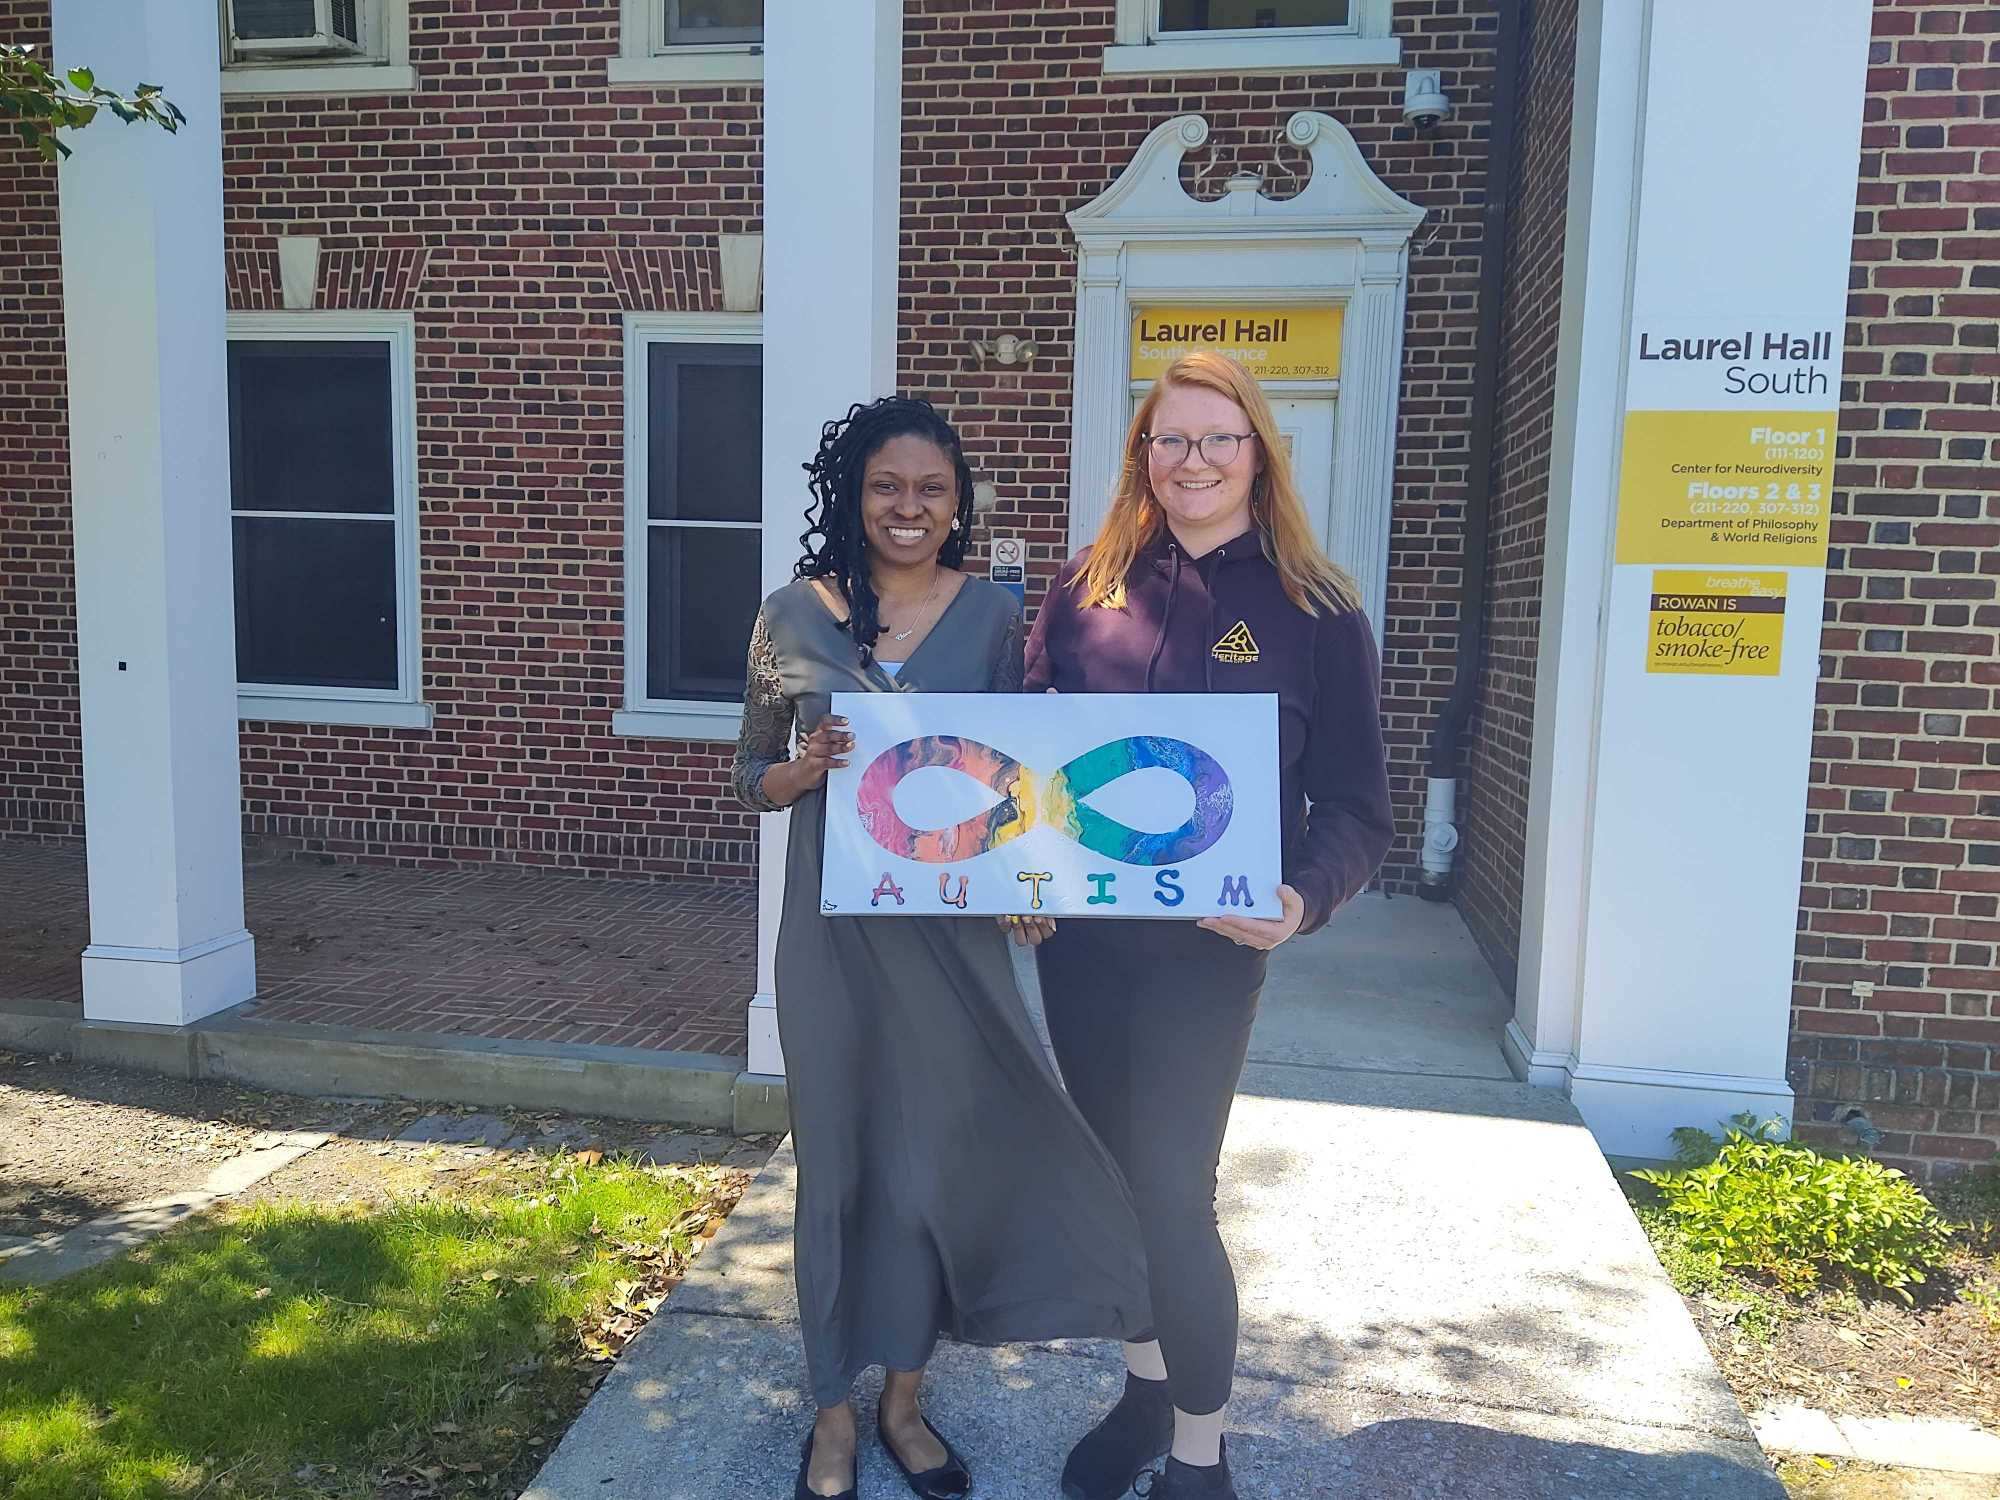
(645, 58)
(385, 69)
(400, 707)
(663, 718)
(1140, 49)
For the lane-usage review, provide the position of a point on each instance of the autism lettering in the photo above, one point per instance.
(1033, 880)
(1102, 895)
(1169, 892)
(1236, 892)
(944, 891)
(887, 887)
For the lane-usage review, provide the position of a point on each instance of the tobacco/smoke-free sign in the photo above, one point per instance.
(1272, 343)
(1103, 805)
(1717, 624)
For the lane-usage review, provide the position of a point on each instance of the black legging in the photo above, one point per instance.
(1151, 1022)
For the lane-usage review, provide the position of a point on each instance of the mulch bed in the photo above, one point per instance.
(1872, 1356)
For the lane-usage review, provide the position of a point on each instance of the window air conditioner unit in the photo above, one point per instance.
(295, 28)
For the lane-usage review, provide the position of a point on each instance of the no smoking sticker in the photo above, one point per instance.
(1716, 624)
(1009, 565)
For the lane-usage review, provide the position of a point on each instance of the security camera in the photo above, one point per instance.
(1425, 102)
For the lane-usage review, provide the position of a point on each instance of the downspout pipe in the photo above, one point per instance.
(1440, 796)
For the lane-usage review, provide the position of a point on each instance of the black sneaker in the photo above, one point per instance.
(1179, 1481)
(1117, 1450)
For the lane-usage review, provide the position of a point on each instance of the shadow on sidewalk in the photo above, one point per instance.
(1406, 1458)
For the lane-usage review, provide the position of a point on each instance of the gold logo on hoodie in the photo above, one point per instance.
(1237, 646)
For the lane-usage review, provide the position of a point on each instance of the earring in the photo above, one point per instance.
(954, 523)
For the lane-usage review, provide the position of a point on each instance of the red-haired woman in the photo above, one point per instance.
(1205, 578)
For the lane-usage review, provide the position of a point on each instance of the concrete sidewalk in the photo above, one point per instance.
(1443, 1293)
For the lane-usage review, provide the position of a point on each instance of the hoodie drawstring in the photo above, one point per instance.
(1208, 657)
(1167, 614)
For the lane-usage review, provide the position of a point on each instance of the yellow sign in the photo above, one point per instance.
(1726, 488)
(1716, 624)
(1272, 343)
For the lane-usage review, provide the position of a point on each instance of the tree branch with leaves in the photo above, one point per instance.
(39, 101)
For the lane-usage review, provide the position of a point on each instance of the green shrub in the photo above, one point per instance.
(1762, 1204)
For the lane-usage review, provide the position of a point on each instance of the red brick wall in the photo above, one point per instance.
(1902, 852)
(41, 771)
(1010, 124)
(517, 236)
(1494, 818)
(518, 207)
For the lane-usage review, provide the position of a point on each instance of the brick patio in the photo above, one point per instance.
(623, 963)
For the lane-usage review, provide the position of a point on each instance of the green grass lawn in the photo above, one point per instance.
(427, 1346)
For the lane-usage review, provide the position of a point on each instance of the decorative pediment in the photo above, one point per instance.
(1341, 194)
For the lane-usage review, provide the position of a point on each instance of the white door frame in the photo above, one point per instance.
(1342, 239)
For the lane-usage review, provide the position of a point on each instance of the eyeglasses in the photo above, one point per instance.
(1217, 448)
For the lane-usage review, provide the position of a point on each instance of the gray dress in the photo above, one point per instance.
(946, 1183)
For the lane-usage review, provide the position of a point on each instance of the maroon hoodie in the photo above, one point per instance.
(1221, 623)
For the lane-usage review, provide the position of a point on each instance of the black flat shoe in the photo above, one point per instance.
(804, 1491)
(948, 1481)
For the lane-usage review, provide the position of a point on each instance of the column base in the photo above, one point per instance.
(1542, 1069)
(167, 986)
(767, 1056)
(1633, 1112)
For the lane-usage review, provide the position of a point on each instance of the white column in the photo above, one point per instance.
(833, 94)
(1370, 387)
(1100, 382)
(149, 470)
(1606, 115)
(1669, 788)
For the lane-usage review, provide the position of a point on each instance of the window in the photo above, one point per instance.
(694, 453)
(1250, 36)
(688, 41)
(322, 513)
(1248, 15)
(693, 22)
(316, 47)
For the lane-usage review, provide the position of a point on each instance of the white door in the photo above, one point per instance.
(1306, 423)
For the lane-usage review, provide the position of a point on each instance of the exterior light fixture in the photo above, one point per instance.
(1005, 350)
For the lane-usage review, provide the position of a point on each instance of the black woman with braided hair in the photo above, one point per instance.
(946, 1185)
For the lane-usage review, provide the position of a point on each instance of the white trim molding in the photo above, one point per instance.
(646, 59)
(1635, 1111)
(685, 721)
(401, 707)
(362, 713)
(386, 70)
(1542, 1068)
(663, 718)
(1342, 239)
(1140, 49)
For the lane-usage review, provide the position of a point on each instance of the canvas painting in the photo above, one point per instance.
(1143, 805)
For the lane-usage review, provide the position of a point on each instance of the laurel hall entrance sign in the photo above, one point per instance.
(1160, 805)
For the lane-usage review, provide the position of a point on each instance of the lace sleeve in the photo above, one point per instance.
(1007, 669)
(765, 739)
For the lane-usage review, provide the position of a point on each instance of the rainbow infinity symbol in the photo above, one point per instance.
(1027, 798)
